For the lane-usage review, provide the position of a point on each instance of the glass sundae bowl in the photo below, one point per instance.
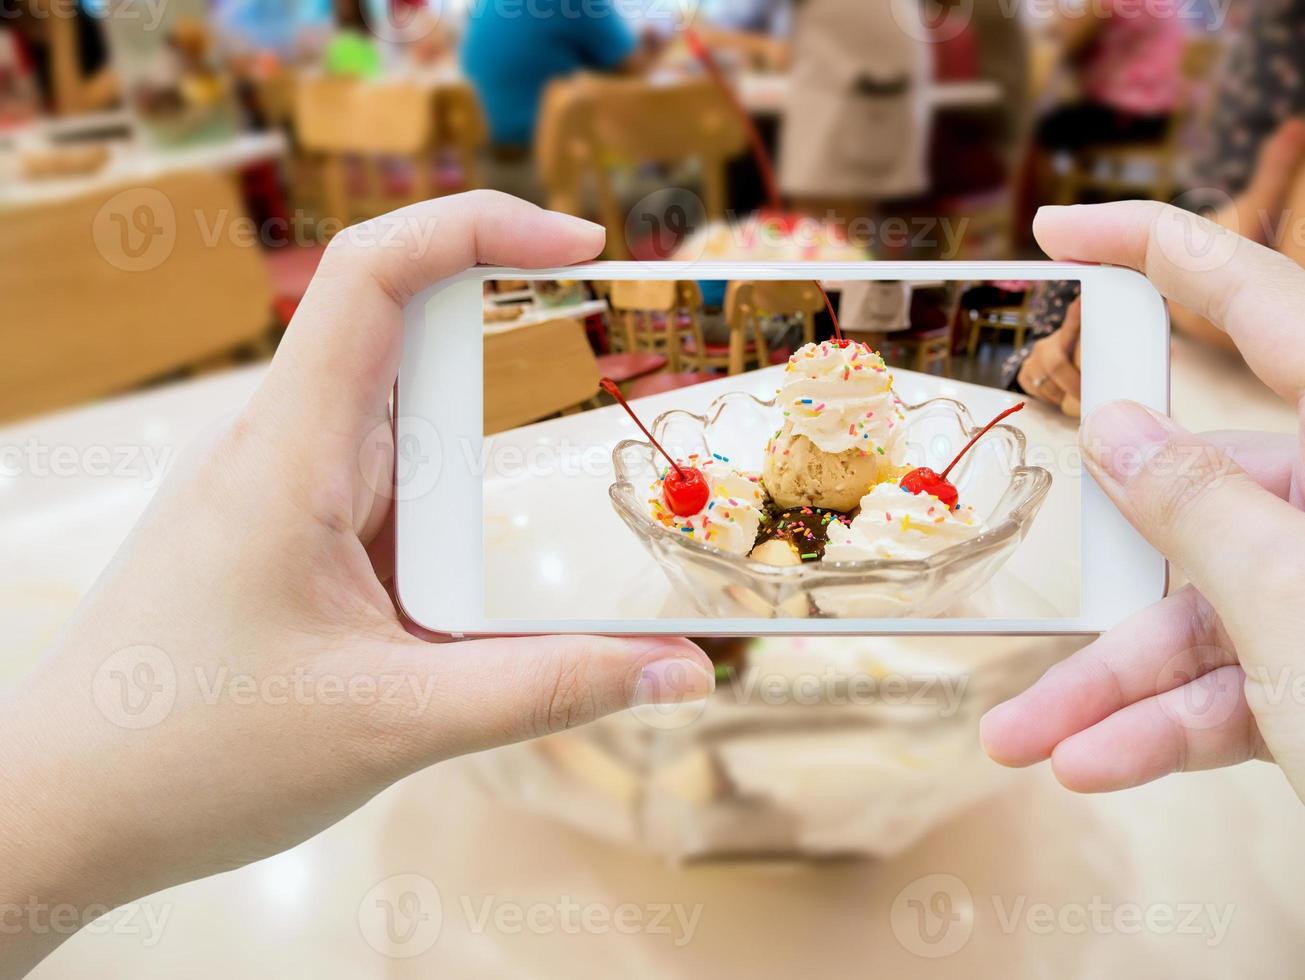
(994, 479)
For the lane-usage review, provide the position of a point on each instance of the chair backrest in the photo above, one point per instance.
(591, 126)
(787, 297)
(87, 309)
(345, 115)
(650, 295)
(536, 371)
(459, 119)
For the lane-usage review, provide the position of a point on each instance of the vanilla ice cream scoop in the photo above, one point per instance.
(733, 512)
(895, 524)
(839, 435)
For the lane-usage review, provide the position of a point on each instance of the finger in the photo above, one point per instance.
(1202, 725)
(1036, 383)
(1158, 649)
(1195, 505)
(1071, 406)
(492, 692)
(1069, 331)
(1245, 289)
(336, 366)
(1268, 458)
(1061, 370)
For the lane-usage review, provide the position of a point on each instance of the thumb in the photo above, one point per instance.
(1191, 501)
(486, 693)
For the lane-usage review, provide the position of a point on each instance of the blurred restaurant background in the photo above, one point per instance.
(171, 172)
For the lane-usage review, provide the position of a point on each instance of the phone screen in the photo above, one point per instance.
(793, 471)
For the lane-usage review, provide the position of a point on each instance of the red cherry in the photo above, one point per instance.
(924, 480)
(685, 491)
(685, 488)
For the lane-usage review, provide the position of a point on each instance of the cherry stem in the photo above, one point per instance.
(979, 435)
(829, 305)
(700, 51)
(609, 386)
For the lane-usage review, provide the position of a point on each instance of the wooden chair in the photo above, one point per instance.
(371, 125)
(461, 130)
(537, 371)
(1112, 170)
(919, 351)
(657, 316)
(592, 127)
(1012, 317)
(87, 312)
(802, 300)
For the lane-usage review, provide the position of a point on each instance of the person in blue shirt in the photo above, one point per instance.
(512, 50)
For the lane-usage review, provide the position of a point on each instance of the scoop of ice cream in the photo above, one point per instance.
(733, 513)
(798, 474)
(895, 524)
(840, 428)
(840, 396)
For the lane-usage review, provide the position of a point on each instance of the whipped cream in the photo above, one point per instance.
(733, 512)
(840, 396)
(895, 524)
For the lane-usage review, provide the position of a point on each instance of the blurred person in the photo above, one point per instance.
(510, 56)
(1197, 680)
(857, 123)
(1248, 170)
(248, 29)
(19, 100)
(756, 31)
(1049, 367)
(66, 47)
(1125, 61)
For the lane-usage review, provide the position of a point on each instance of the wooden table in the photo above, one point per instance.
(542, 314)
(1028, 857)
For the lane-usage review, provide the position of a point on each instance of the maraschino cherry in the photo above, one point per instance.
(685, 489)
(925, 480)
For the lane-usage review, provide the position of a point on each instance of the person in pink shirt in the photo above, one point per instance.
(1125, 56)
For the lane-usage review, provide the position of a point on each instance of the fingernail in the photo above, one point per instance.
(1121, 436)
(673, 681)
(579, 225)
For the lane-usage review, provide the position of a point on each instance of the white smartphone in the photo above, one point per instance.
(768, 477)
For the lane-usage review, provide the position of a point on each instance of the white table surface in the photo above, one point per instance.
(554, 547)
(1233, 838)
(542, 314)
(129, 160)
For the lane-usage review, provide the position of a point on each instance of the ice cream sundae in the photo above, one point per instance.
(834, 485)
(838, 436)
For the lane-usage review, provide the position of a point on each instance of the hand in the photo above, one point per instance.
(1052, 371)
(239, 679)
(1212, 675)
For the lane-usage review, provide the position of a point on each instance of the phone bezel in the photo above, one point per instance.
(438, 403)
